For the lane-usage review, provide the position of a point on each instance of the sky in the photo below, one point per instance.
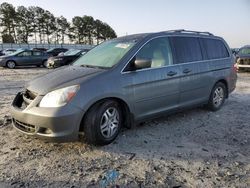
(229, 19)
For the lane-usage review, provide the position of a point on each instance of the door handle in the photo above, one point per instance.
(171, 73)
(185, 71)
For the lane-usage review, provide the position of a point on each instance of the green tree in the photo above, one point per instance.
(77, 30)
(7, 19)
(88, 26)
(6, 38)
(62, 28)
(98, 27)
(49, 24)
(25, 28)
(21, 24)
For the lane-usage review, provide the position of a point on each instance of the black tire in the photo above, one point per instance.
(221, 89)
(94, 119)
(11, 64)
(44, 64)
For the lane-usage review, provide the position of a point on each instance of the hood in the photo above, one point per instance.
(61, 77)
(243, 55)
(6, 56)
(54, 58)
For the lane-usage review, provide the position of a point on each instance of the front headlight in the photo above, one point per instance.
(59, 97)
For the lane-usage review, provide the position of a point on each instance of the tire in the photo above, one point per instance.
(98, 121)
(217, 97)
(11, 64)
(44, 64)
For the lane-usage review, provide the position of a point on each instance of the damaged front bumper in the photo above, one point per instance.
(243, 63)
(50, 123)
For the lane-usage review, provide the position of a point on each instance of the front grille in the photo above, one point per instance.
(24, 126)
(244, 62)
(29, 95)
(22, 100)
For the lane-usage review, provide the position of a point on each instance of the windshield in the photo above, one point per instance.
(71, 52)
(16, 52)
(106, 54)
(245, 51)
(51, 49)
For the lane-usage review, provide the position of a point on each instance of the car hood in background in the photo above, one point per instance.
(58, 58)
(6, 56)
(61, 77)
(243, 56)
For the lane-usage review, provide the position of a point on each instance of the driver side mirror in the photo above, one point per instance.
(142, 63)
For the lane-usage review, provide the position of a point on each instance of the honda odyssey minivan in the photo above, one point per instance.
(125, 81)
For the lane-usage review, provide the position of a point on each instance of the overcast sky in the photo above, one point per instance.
(227, 18)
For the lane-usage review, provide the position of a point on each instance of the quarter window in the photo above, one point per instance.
(37, 53)
(214, 48)
(187, 49)
(24, 54)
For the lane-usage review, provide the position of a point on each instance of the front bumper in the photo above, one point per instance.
(53, 63)
(2, 63)
(243, 63)
(57, 124)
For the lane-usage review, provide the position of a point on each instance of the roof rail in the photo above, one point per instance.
(188, 31)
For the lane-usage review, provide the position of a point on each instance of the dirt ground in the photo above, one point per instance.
(194, 148)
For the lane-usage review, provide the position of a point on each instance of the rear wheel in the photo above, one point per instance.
(102, 123)
(11, 64)
(217, 97)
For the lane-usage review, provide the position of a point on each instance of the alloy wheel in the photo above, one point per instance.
(218, 96)
(109, 122)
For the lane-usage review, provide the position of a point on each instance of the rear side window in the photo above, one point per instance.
(187, 49)
(214, 48)
(36, 53)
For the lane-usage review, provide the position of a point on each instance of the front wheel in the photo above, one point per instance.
(11, 64)
(102, 123)
(217, 97)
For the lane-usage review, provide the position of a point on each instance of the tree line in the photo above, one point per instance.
(23, 24)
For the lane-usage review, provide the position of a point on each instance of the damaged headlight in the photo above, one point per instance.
(59, 97)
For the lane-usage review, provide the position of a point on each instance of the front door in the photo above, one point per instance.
(24, 58)
(154, 89)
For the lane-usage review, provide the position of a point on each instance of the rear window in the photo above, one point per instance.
(214, 48)
(37, 53)
(187, 49)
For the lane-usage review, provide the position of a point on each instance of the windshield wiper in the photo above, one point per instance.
(95, 67)
(88, 66)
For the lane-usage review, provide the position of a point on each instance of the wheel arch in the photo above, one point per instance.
(9, 61)
(224, 81)
(127, 116)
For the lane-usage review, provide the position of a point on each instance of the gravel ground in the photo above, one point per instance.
(194, 148)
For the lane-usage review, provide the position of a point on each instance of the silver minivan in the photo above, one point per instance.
(125, 81)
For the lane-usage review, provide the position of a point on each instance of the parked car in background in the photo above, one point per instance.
(1, 53)
(243, 58)
(40, 49)
(65, 59)
(56, 51)
(235, 51)
(24, 58)
(8, 51)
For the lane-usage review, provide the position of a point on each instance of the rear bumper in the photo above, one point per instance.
(56, 124)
